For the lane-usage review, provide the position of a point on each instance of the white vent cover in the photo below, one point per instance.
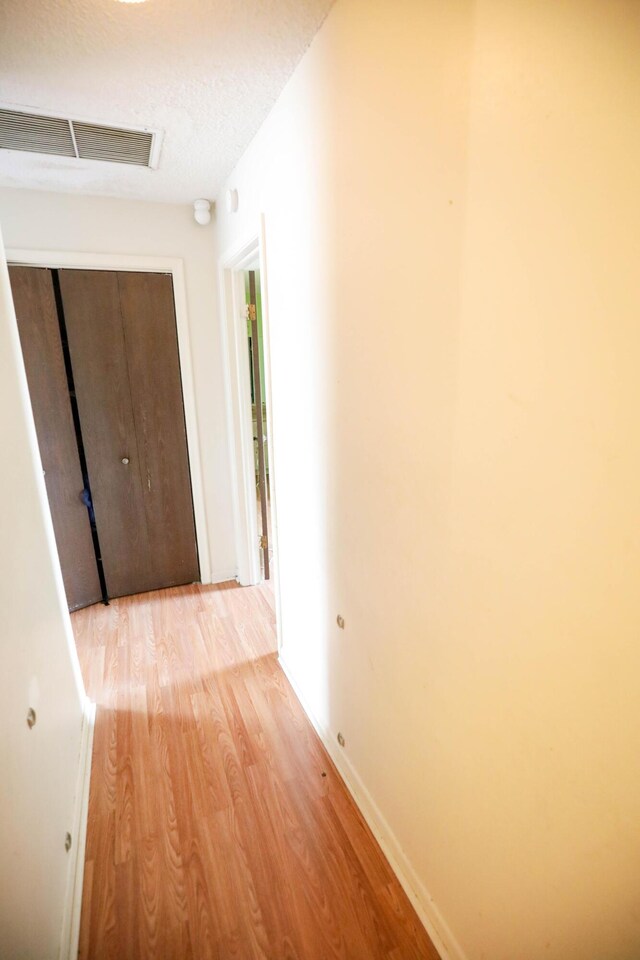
(72, 138)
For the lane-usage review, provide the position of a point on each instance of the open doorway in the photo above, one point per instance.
(259, 419)
(245, 308)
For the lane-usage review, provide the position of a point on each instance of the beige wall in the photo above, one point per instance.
(38, 220)
(38, 669)
(451, 195)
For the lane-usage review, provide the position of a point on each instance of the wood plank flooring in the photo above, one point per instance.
(218, 827)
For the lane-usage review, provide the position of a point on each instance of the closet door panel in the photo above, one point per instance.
(91, 303)
(148, 317)
(34, 300)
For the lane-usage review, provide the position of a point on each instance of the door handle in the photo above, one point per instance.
(125, 460)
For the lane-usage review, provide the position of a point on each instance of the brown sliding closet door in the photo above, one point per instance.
(35, 306)
(124, 352)
(148, 319)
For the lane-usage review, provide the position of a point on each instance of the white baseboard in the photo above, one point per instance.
(223, 576)
(71, 925)
(428, 912)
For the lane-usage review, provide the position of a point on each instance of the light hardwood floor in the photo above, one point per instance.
(218, 827)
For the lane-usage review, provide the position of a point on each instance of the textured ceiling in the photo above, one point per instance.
(206, 72)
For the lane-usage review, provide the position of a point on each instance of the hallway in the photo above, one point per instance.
(218, 827)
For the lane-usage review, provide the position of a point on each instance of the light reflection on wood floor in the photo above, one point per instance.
(218, 827)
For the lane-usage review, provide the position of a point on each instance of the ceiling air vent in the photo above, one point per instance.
(24, 131)
(74, 138)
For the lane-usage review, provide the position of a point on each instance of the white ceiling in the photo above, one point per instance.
(206, 72)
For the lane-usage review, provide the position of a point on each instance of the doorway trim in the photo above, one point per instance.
(232, 265)
(143, 264)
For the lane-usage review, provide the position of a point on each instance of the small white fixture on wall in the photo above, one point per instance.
(232, 201)
(202, 212)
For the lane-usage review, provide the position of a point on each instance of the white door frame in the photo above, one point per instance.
(139, 264)
(232, 266)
